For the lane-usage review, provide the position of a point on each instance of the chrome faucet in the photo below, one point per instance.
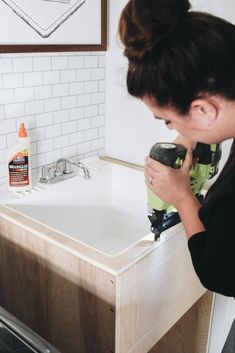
(68, 166)
(62, 169)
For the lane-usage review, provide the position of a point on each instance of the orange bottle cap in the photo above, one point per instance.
(22, 131)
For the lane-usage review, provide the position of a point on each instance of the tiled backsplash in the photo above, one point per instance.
(61, 99)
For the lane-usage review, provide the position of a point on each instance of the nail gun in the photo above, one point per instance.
(206, 159)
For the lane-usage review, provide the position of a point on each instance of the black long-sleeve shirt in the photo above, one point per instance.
(213, 251)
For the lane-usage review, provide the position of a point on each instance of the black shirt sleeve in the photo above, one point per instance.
(213, 251)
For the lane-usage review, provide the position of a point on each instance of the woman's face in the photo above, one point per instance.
(185, 125)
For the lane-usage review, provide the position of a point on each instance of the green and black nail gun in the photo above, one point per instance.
(206, 161)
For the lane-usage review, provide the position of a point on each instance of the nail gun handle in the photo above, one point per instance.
(169, 154)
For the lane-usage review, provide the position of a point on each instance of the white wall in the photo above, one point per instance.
(61, 99)
(130, 127)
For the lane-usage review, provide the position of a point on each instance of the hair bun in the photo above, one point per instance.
(144, 23)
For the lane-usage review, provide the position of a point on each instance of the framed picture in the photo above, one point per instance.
(53, 25)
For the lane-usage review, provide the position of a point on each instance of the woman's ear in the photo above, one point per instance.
(203, 112)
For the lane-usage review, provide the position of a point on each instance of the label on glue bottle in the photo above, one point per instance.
(18, 169)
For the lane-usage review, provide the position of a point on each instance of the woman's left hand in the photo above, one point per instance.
(170, 185)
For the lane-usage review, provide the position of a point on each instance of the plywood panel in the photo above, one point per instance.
(155, 294)
(66, 300)
(190, 333)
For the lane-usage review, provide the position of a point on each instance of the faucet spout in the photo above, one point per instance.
(80, 165)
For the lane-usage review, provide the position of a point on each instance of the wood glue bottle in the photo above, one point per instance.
(19, 173)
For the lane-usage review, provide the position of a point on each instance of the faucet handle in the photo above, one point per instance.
(63, 167)
(47, 172)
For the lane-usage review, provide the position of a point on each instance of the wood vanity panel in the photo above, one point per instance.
(66, 300)
(190, 333)
(82, 301)
(154, 294)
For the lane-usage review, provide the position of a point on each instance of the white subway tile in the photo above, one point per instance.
(76, 62)
(91, 61)
(84, 75)
(90, 134)
(6, 96)
(60, 63)
(3, 142)
(45, 145)
(91, 110)
(61, 141)
(14, 110)
(44, 119)
(24, 94)
(22, 64)
(34, 107)
(101, 85)
(37, 160)
(1, 81)
(2, 170)
(76, 138)
(102, 61)
(83, 100)
(101, 132)
(98, 74)
(53, 131)
(6, 65)
(76, 88)
(3, 180)
(12, 139)
(97, 98)
(68, 102)
(97, 144)
(98, 121)
(37, 134)
(4, 156)
(91, 154)
(53, 156)
(51, 77)
(33, 148)
(102, 109)
(7, 126)
(33, 79)
(13, 80)
(91, 86)
(68, 76)
(83, 124)
(61, 116)
(60, 90)
(52, 104)
(68, 152)
(42, 64)
(68, 128)
(76, 113)
(84, 147)
(2, 112)
(68, 53)
(43, 92)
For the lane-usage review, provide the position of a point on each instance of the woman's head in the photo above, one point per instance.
(176, 55)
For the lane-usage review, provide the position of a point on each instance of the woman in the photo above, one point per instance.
(182, 66)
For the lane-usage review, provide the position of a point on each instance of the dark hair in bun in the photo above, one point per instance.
(144, 23)
(176, 55)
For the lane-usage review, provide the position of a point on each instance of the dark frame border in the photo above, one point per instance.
(30, 48)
